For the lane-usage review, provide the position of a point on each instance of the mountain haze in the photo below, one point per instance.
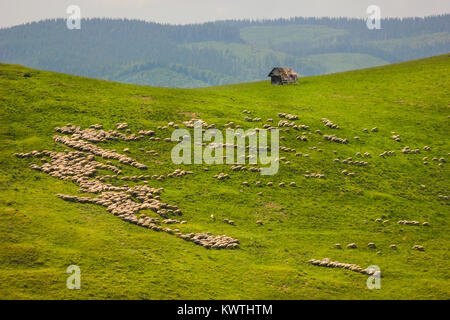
(221, 52)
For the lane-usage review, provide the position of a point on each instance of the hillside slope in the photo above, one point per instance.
(41, 235)
(220, 52)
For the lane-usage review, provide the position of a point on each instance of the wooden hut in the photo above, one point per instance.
(280, 76)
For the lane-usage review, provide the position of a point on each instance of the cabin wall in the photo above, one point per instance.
(276, 80)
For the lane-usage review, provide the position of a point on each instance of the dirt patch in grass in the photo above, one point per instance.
(145, 98)
(341, 96)
(189, 114)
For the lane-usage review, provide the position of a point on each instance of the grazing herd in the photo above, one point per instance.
(80, 166)
(326, 262)
(330, 124)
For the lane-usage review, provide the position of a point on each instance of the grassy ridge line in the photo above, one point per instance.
(42, 235)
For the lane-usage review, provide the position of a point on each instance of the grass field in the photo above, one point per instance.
(41, 235)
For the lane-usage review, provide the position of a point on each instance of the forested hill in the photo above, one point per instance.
(219, 52)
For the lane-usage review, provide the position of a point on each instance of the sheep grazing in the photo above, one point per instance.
(209, 241)
(259, 222)
(246, 112)
(408, 150)
(286, 149)
(171, 221)
(222, 176)
(191, 123)
(396, 138)
(337, 246)
(173, 125)
(229, 124)
(418, 247)
(375, 129)
(426, 148)
(347, 173)
(314, 175)
(326, 262)
(245, 183)
(121, 126)
(335, 139)
(351, 246)
(356, 163)
(288, 116)
(122, 201)
(82, 145)
(387, 153)
(371, 245)
(129, 178)
(146, 132)
(96, 126)
(302, 138)
(393, 246)
(252, 119)
(152, 152)
(293, 125)
(330, 124)
(365, 130)
(179, 173)
(292, 184)
(94, 135)
(228, 221)
(412, 223)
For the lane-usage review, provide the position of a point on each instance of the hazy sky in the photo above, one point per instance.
(13, 12)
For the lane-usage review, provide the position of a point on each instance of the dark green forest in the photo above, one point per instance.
(221, 52)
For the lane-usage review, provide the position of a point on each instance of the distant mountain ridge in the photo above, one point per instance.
(221, 52)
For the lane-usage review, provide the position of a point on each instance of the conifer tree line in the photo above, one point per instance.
(219, 52)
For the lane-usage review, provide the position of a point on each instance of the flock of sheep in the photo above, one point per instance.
(126, 202)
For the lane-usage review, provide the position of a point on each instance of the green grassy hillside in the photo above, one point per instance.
(41, 235)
